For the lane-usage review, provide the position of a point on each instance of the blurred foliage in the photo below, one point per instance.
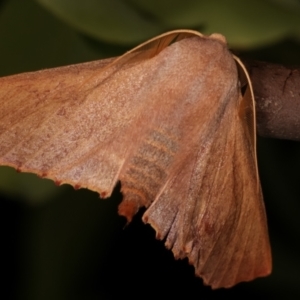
(244, 23)
(59, 243)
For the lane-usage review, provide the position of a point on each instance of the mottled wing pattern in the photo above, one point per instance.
(212, 211)
(165, 120)
(77, 124)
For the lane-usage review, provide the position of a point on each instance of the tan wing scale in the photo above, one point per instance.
(165, 120)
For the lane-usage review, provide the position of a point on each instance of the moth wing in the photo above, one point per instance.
(144, 119)
(212, 211)
(79, 124)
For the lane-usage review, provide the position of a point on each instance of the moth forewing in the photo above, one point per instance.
(179, 154)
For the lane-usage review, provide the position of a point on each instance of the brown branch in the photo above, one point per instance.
(277, 95)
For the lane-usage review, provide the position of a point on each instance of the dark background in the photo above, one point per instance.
(58, 243)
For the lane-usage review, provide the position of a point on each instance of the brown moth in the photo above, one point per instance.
(168, 119)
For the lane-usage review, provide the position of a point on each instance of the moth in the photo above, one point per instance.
(174, 121)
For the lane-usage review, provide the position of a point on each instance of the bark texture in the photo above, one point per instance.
(277, 95)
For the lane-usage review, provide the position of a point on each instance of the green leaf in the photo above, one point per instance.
(112, 21)
(246, 24)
